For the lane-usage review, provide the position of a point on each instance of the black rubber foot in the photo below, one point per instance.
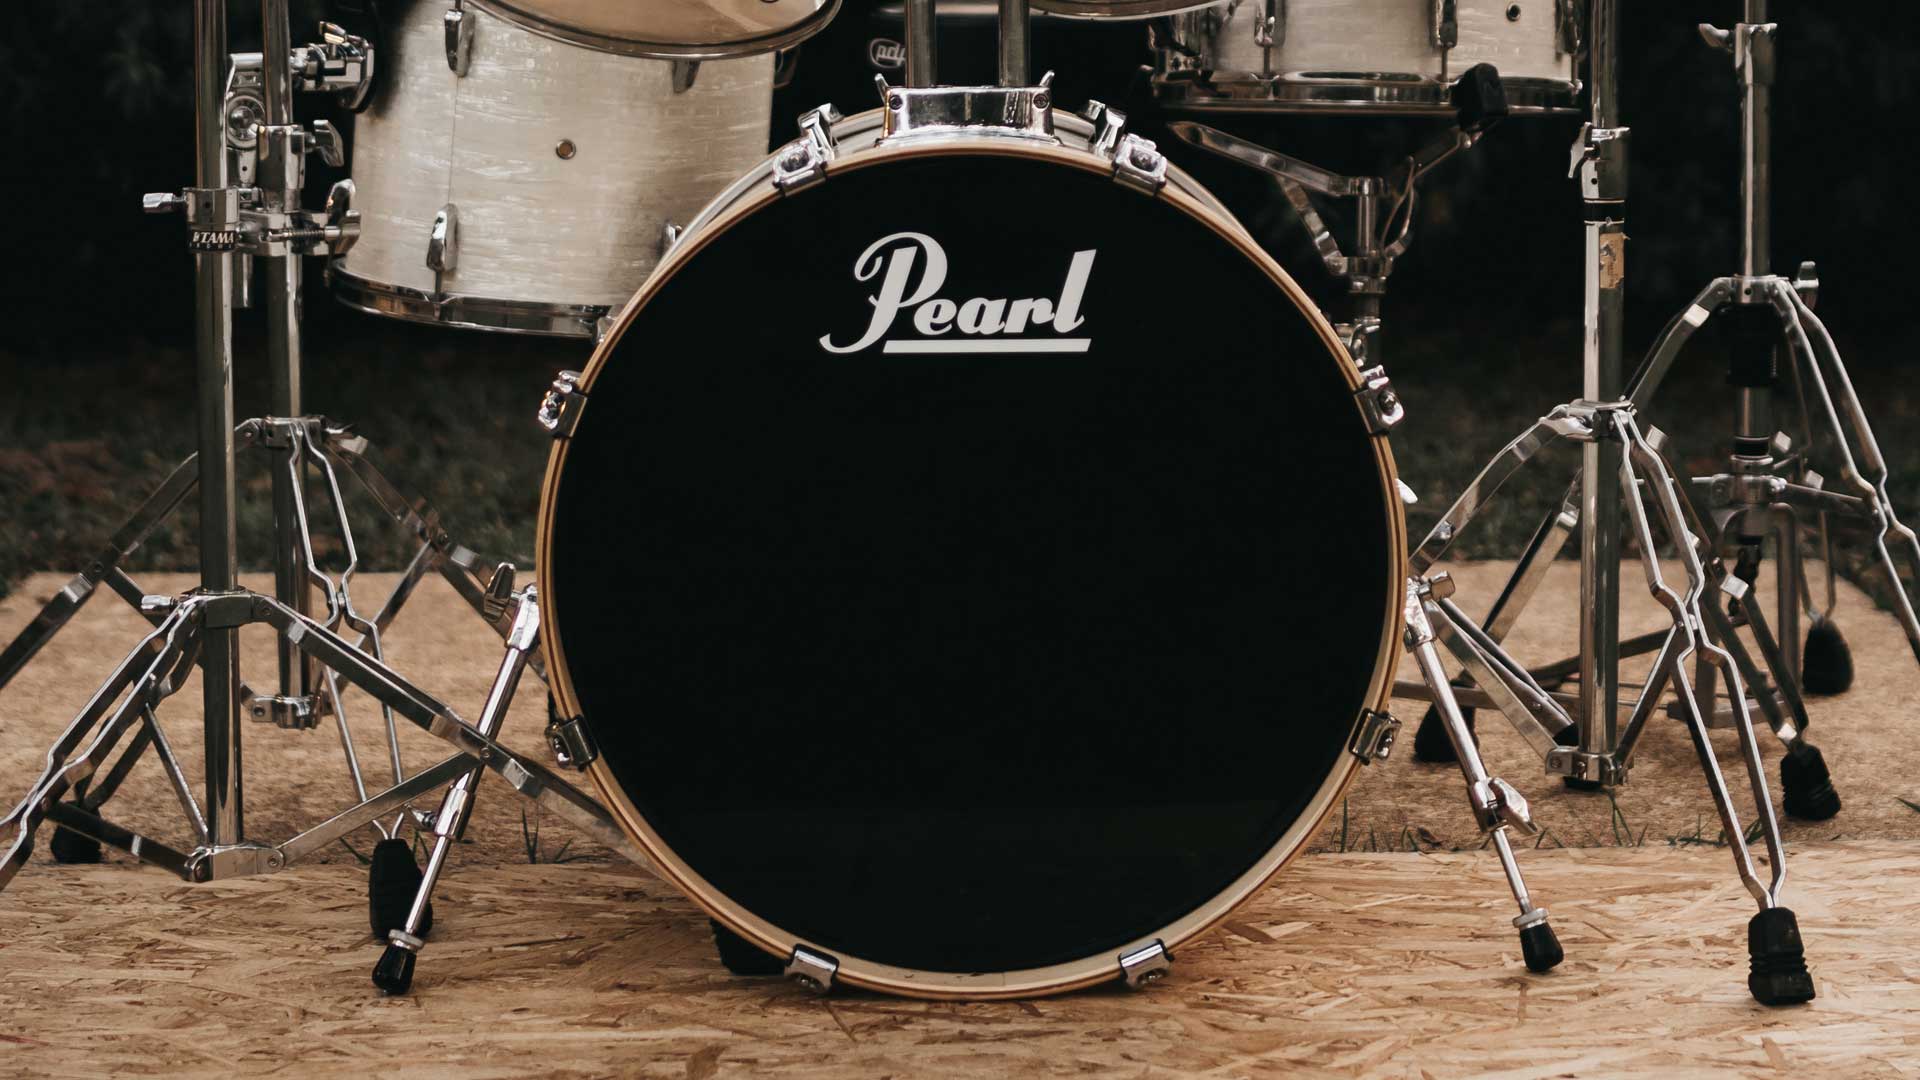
(1806, 786)
(1430, 743)
(741, 957)
(394, 973)
(1779, 975)
(1541, 948)
(71, 847)
(1826, 664)
(392, 881)
(1576, 784)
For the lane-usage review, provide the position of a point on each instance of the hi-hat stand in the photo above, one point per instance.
(1770, 488)
(1623, 470)
(244, 132)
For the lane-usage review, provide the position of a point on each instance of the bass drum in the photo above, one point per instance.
(949, 591)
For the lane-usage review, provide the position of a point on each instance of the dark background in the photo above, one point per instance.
(96, 349)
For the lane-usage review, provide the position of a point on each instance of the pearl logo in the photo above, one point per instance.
(887, 53)
(911, 267)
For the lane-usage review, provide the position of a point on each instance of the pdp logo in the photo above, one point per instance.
(887, 53)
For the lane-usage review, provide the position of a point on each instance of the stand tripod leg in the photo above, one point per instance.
(394, 972)
(1779, 973)
(1869, 476)
(70, 599)
(148, 674)
(1496, 805)
(1430, 743)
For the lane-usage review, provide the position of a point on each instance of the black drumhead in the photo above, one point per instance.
(970, 651)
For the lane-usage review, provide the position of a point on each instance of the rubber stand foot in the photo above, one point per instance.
(1806, 786)
(1826, 664)
(1430, 743)
(1541, 948)
(392, 882)
(73, 848)
(1779, 975)
(1576, 784)
(394, 973)
(741, 957)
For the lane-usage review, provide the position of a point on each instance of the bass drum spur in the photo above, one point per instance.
(941, 606)
(518, 167)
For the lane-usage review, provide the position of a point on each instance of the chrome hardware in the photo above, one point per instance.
(1511, 807)
(684, 73)
(287, 713)
(1408, 497)
(565, 149)
(804, 160)
(1373, 736)
(237, 860)
(1379, 404)
(911, 111)
(498, 596)
(1109, 124)
(1806, 282)
(572, 747)
(459, 38)
(213, 218)
(1139, 163)
(325, 139)
(244, 112)
(162, 202)
(813, 971)
(443, 244)
(669, 236)
(342, 220)
(1599, 159)
(1599, 768)
(560, 408)
(341, 64)
(1145, 965)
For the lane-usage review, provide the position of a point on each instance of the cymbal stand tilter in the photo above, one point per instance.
(1384, 206)
(228, 224)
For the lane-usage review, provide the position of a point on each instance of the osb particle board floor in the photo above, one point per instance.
(1870, 735)
(1395, 965)
(1354, 964)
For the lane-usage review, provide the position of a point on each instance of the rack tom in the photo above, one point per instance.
(517, 170)
(1352, 56)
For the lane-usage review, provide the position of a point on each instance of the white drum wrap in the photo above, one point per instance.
(558, 166)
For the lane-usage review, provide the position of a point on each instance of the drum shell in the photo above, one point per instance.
(1386, 46)
(857, 147)
(563, 164)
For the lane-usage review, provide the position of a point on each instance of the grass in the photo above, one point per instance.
(85, 434)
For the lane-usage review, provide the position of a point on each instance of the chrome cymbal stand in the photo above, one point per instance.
(231, 223)
(1622, 468)
(1770, 486)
